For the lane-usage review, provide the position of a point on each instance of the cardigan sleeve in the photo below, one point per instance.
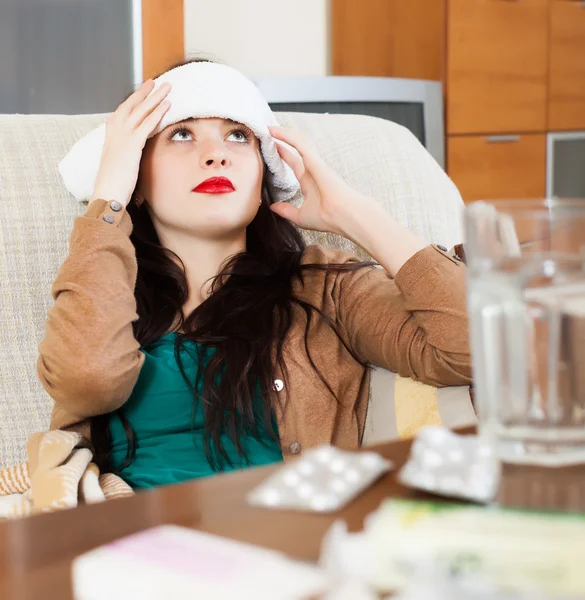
(415, 324)
(89, 360)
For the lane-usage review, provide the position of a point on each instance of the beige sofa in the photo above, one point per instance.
(36, 215)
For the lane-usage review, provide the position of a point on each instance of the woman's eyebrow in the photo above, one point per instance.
(228, 122)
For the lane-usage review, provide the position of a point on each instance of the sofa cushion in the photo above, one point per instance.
(377, 157)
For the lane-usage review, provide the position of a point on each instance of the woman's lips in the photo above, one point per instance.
(215, 185)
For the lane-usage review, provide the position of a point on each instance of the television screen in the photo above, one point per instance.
(408, 114)
(567, 155)
(415, 104)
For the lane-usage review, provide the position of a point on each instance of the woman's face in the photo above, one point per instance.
(183, 156)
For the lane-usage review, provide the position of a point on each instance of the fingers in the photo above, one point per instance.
(292, 160)
(135, 99)
(300, 142)
(308, 183)
(148, 105)
(153, 119)
(315, 168)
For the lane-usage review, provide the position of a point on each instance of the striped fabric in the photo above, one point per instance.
(14, 480)
(62, 475)
(377, 157)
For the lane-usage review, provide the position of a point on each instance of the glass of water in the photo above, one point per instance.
(526, 302)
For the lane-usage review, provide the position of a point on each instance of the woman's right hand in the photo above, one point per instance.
(127, 130)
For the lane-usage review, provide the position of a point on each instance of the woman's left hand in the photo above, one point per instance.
(326, 196)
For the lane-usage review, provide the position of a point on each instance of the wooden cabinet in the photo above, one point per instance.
(508, 67)
(497, 66)
(498, 167)
(163, 41)
(388, 38)
(566, 107)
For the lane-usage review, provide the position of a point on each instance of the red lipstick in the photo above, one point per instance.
(215, 185)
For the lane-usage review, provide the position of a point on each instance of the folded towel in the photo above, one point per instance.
(59, 474)
(199, 89)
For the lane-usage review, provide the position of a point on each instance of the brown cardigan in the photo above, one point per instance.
(415, 324)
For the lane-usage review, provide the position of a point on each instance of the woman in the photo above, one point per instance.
(193, 330)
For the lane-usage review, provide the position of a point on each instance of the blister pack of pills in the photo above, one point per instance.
(325, 479)
(457, 466)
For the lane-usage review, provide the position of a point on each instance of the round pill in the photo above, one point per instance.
(305, 490)
(291, 478)
(371, 460)
(271, 497)
(338, 465)
(306, 468)
(324, 455)
(324, 502)
(353, 475)
(338, 485)
(431, 458)
(436, 436)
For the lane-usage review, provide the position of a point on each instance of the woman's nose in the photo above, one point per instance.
(215, 160)
(213, 155)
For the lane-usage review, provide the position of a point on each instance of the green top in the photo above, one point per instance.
(169, 430)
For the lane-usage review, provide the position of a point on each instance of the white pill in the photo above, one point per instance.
(324, 502)
(291, 478)
(431, 458)
(338, 465)
(372, 461)
(353, 475)
(271, 497)
(305, 490)
(324, 455)
(306, 468)
(435, 436)
(338, 485)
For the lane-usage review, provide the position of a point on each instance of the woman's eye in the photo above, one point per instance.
(183, 135)
(239, 136)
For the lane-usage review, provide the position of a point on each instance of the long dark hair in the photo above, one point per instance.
(245, 319)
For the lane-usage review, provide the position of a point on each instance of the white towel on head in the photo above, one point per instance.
(200, 89)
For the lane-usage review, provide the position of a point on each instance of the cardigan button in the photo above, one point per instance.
(108, 218)
(278, 385)
(115, 206)
(443, 248)
(295, 448)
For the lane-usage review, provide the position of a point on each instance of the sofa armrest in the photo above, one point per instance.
(400, 407)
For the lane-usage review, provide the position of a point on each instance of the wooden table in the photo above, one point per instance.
(36, 553)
